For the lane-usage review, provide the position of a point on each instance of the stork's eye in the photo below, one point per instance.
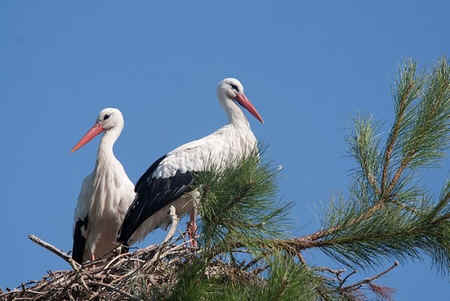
(106, 117)
(234, 87)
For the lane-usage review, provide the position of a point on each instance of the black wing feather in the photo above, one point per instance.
(152, 195)
(79, 241)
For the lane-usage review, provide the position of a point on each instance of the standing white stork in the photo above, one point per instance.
(168, 180)
(105, 194)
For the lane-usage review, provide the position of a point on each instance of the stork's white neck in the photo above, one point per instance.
(105, 149)
(235, 114)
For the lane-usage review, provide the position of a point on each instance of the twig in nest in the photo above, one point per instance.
(75, 265)
(156, 256)
(110, 287)
(114, 260)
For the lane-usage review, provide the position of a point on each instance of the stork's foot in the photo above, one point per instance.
(92, 260)
(192, 232)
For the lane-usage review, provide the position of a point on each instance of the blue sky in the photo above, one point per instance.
(309, 68)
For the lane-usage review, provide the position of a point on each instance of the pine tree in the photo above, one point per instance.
(388, 216)
(245, 252)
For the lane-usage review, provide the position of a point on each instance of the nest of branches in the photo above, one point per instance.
(151, 271)
(111, 277)
(148, 271)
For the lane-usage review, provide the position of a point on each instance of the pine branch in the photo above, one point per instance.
(408, 88)
(238, 202)
(349, 225)
(394, 132)
(427, 136)
(309, 241)
(335, 288)
(364, 147)
(288, 280)
(358, 284)
(388, 232)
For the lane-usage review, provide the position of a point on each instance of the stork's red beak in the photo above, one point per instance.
(94, 131)
(243, 101)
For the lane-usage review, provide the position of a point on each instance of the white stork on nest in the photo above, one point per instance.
(169, 179)
(105, 194)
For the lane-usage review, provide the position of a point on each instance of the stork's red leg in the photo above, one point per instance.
(192, 229)
(92, 259)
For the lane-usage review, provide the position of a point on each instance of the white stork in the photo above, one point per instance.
(168, 180)
(105, 194)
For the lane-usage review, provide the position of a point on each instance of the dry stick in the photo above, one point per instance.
(55, 250)
(8, 292)
(370, 279)
(147, 248)
(84, 283)
(55, 278)
(94, 296)
(36, 292)
(114, 260)
(110, 287)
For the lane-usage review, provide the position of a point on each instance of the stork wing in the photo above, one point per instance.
(79, 240)
(81, 220)
(153, 194)
(173, 175)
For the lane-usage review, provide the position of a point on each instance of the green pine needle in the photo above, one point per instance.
(388, 214)
(238, 202)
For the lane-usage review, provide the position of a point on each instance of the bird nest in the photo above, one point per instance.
(113, 277)
(145, 272)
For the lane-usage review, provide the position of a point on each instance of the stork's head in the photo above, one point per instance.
(108, 119)
(232, 89)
